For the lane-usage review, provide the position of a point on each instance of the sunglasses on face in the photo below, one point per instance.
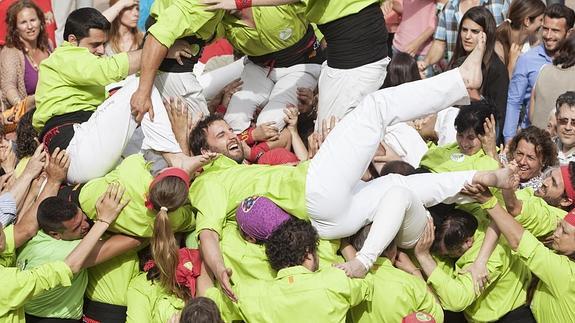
(565, 121)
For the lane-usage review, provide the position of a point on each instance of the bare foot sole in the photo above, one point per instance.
(505, 178)
(471, 68)
(353, 268)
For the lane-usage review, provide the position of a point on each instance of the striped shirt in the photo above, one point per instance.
(450, 17)
(7, 209)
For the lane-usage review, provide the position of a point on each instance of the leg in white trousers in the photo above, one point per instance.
(98, 143)
(272, 90)
(341, 90)
(184, 85)
(213, 82)
(334, 173)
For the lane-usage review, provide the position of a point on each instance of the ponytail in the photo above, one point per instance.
(165, 253)
(503, 36)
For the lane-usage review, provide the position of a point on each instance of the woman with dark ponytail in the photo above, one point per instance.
(523, 21)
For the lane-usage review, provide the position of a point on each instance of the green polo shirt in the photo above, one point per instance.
(177, 19)
(8, 256)
(108, 282)
(324, 11)
(396, 294)
(248, 261)
(536, 215)
(507, 288)
(448, 158)
(555, 293)
(18, 286)
(296, 295)
(133, 174)
(72, 79)
(149, 302)
(59, 302)
(224, 184)
(276, 28)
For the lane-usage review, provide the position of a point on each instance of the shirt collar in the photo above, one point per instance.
(220, 163)
(543, 53)
(560, 152)
(291, 271)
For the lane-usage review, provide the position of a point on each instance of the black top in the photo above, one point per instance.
(494, 89)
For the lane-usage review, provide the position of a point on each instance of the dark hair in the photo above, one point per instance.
(558, 11)
(26, 136)
(452, 227)
(565, 55)
(565, 98)
(401, 69)
(53, 211)
(518, 11)
(483, 17)
(198, 136)
(473, 116)
(545, 148)
(358, 239)
(289, 244)
(397, 167)
(80, 22)
(201, 310)
(12, 36)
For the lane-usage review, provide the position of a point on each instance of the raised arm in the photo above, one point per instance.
(210, 247)
(114, 11)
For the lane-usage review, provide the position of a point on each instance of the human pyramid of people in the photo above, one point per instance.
(313, 171)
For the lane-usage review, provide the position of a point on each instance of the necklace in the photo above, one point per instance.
(30, 59)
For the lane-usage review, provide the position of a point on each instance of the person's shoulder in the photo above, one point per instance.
(10, 51)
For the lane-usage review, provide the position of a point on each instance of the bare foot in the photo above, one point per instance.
(353, 268)
(505, 178)
(471, 68)
(194, 163)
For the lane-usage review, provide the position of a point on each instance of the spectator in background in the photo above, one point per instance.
(124, 35)
(557, 22)
(523, 21)
(392, 12)
(46, 7)
(565, 115)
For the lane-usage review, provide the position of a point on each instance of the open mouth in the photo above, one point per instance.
(234, 146)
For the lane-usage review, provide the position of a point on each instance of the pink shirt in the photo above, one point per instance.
(417, 16)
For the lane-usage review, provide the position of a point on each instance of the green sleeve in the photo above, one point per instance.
(426, 301)
(8, 256)
(551, 268)
(360, 290)
(456, 293)
(211, 200)
(94, 70)
(538, 217)
(18, 286)
(228, 309)
(138, 297)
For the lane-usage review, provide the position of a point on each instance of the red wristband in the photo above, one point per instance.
(247, 136)
(242, 4)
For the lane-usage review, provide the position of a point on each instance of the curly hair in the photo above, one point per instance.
(545, 148)
(289, 244)
(26, 136)
(12, 36)
(198, 138)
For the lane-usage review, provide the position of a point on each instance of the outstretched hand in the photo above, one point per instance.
(110, 204)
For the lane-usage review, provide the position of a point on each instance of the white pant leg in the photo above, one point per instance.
(255, 92)
(184, 85)
(61, 9)
(213, 82)
(347, 151)
(341, 90)
(98, 143)
(287, 80)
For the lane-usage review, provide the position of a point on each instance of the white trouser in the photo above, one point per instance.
(271, 89)
(213, 82)
(98, 143)
(184, 85)
(332, 187)
(341, 90)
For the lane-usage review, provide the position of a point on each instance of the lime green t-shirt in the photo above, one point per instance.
(148, 302)
(396, 294)
(276, 28)
(507, 288)
(108, 282)
(177, 19)
(18, 286)
(59, 302)
(324, 11)
(135, 219)
(448, 158)
(224, 184)
(536, 215)
(248, 261)
(8, 256)
(296, 295)
(555, 293)
(72, 79)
